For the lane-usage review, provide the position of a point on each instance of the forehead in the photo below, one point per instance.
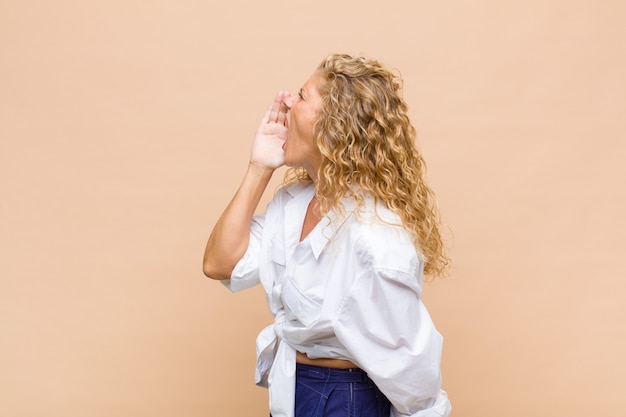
(314, 83)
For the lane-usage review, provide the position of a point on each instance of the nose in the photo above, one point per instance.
(288, 102)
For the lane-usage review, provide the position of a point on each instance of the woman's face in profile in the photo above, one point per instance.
(300, 148)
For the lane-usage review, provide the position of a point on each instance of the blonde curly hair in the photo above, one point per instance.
(368, 147)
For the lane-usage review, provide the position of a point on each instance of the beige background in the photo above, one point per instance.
(125, 128)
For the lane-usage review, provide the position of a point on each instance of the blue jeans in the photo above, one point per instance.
(330, 392)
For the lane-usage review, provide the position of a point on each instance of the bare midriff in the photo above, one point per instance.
(324, 362)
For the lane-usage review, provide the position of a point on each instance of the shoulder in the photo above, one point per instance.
(383, 242)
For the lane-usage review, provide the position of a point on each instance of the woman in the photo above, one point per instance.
(340, 251)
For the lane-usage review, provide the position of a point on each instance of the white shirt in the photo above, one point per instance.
(350, 290)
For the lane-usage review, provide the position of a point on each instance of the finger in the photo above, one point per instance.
(282, 113)
(284, 109)
(275, 108)
(269, 115)
(266, 116)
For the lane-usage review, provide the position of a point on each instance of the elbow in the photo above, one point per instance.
(219, 264)
(208, 270)
(213, 271)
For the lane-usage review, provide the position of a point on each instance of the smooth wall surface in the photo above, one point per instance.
(125, 128)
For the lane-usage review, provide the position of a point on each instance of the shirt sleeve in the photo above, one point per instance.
(389, 334)
(246, 272)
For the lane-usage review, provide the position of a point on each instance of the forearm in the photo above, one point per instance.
(230, 236)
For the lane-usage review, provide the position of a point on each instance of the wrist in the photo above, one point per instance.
(260, 170)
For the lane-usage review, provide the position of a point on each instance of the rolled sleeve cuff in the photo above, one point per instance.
(246, 272)
(441, 408)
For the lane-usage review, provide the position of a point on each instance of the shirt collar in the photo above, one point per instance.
(297, 187)
(324, 232)
(326, 229)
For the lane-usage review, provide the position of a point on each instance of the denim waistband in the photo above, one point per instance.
(331, 374)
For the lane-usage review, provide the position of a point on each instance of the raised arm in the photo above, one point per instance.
(230, 236)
